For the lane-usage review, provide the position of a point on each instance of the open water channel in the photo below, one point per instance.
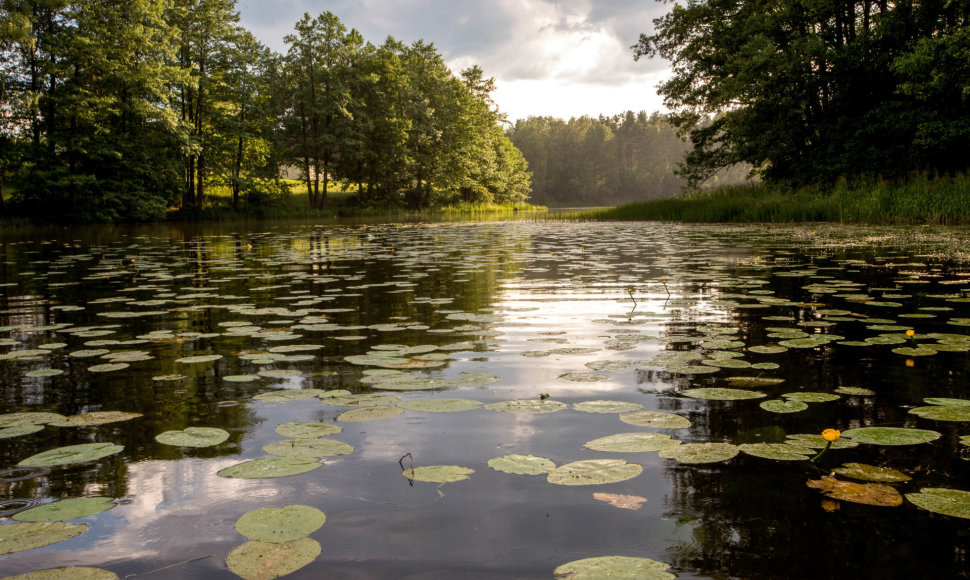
(638, 390)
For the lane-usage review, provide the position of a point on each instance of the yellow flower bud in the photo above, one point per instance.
(831, 435)
(911, 333)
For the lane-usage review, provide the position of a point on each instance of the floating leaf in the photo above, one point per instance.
(753, 382)
(594, 472)
(864, 472)
(527, 406)
(943, 413)
(193, 437)
(864, 493)
(265, 561)
(28, 418)
(780, 406)
(522, 464)
(94, 418)
(720, 394)
(855, 391)
(280, 525)
(299, 430)
(72, 454)
(816, 441)
(624, 502)
(202, 358)
(30, 535)
(309, 448)
(286, 396)
(700, 452)
(614, 567)
(585, 377)
(949, 502)
(768, 349)
(268, 468)
(366, 400)
(240, 378)
(606, 406)
(107, 368)
(608, 365)
(438, 473)
(8, 432)
(66, 509)
(69, 573)
(632, 442)
(375, 413)
(440, 405)
(656, 419)
(891, 435)
(42, 373)
(777, 451)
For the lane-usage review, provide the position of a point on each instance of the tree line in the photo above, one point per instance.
(607, 160)
(115, 110)
(810, 92)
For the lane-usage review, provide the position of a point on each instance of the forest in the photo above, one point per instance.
(607, 160)
(116, 110)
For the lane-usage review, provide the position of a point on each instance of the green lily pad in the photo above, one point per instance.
(365, 400)
(299, 430)
(374, 413)
(240, 378)
(30, 535)
(768, 349)
(280, 525)
(810, 397)
(947, 402)
(94, 418)
(865, 493)
(700, 452)
(107, 368)
(891, 435)
(606, 406)
(202, 358)
(949, 502)
(855, 392)
(609, 366)
(474, 379)
(614, 567)
(632, 442)
(66, 509)
(69, 573)
(864, 472)
(440, 405)
(777, 451)
(319, 447)
(269, 468)
(721, 394)
(19, 431)
(438, 473)
(285, 396)
(943, 413)
(72, 454)
(585, 377)
(522, 464)
(918, 351)
(264, 560)
(280, 373)
(594, 472)
(780, 406)
(28, 418)
(753, 382)
(193, 437)
(815, 441)
(527, 406)
(42, 373)
(656, 419)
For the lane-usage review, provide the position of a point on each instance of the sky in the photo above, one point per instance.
(562, 58)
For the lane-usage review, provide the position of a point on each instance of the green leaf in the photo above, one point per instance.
(94, 418)
(779, 406)
(891, 435)
(66, 509)
(947, 402)
(943, 413)
(721, 394)
(777, 451)
(855, 392)
(438, 473)
(594, 472)
(701, 452)
(527, 406)
(28, 418)
(606, 406)
(8, 432)
(949, 502)
(69, 573)
(656, 420)
(522, 464)
(614, 567)
(27, 536)
(72, 454)
(815, 441)
(202, 358)
(193, 437)
(810, 397)
(309, 448)
(269, 468)
(440, 405)
(363, 414)
(280, 525)
(299, 430)
(632, 442)
(865, 472)
(585, 377)
(265, 561)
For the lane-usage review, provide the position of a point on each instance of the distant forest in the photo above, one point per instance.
(606, 161)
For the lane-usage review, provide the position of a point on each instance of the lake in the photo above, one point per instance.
(642, 390)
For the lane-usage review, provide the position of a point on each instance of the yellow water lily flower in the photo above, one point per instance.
(831, 435)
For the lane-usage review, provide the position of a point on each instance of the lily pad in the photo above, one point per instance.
(865, 493)
(19, 431)
(440, 405)
(624, 502)
(585, 377)
(701, 452)
(943, 413)
(810, 397)
(94, 418)
(41, 373)
(891, 435)
(66, 509)
(816, 441)
(306, 430)
(656, 419)
(107, 368)
(594, 472)
(614, 567)
(28, 418)
(202, 358)
(280, 525)
(72, 454)
(632, 442)
(319, 447)
(365, 400)
(69, 573)
(280, 373)
(753, 382)
(947, 401)
(721, 394)
(522, 464)
(30, 535)
(265, 561)
(438, 473)
(608, 366)
(606, 406)
(527, 406)
(193, 437)
(864, 472)
(285, 396)
(949, 502)
(780, 406)
(375, 413)
(777, 451)
(855, 392)
(269, 468)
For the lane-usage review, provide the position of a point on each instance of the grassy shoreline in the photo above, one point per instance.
(918, 200)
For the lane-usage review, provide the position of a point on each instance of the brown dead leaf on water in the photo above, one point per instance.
(624, 502)
(864, 493)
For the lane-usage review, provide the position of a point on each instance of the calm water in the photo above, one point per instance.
(525, 303)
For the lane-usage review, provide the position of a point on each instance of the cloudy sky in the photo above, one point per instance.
(560, 58)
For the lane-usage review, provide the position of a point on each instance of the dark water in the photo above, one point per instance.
(502, 289)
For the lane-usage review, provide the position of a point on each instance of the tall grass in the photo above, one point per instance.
(919, 199)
